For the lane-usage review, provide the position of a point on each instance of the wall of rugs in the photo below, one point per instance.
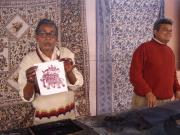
(122, 25)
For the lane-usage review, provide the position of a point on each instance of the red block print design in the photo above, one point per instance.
(51, 78)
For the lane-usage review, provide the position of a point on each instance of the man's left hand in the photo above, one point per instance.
(68, 64)
(177, 95)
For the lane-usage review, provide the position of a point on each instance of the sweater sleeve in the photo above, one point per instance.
(66, 53)
(176, 86)
(22, 80)
(136, 72)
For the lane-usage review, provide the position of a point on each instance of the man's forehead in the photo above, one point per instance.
(45, 26)
(165, 25)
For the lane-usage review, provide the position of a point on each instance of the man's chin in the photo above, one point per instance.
(166, 41)
(47, 49)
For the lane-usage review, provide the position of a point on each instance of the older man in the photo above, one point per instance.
(57, 106)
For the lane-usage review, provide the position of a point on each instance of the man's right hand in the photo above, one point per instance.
(30, 87)
(31, 74)
(151, 100)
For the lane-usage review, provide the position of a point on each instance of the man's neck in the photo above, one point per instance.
(48, 53)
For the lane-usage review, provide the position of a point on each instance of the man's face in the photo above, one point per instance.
(164, 34)
(46, 38)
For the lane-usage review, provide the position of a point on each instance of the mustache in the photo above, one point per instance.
(48, 43)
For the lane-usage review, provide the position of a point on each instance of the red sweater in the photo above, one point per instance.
(153, 69)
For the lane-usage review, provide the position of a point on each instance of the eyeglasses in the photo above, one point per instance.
(44, 34)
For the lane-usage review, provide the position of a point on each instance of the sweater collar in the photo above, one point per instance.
(156, 40)
(55, 54)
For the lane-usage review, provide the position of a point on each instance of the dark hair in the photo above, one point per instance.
(162, 21)
(47, 22)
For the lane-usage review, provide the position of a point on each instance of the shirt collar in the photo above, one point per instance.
(55, 54)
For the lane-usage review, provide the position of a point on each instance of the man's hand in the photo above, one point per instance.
(31, 74)
(68, 67)
(177, 95)
(30, 86)
(68, 64)
(151, 99)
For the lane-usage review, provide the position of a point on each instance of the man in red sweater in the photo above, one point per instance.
(152, 71)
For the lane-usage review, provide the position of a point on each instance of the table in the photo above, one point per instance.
(144, 121)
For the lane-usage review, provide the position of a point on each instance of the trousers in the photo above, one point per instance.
(140, 101)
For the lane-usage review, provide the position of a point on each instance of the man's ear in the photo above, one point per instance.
(36, 37)
(154, 32)
(57, 39)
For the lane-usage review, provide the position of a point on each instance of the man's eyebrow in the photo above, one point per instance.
(46, 31)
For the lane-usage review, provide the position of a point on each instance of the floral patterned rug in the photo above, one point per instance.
(122, 25)
(18, 19)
